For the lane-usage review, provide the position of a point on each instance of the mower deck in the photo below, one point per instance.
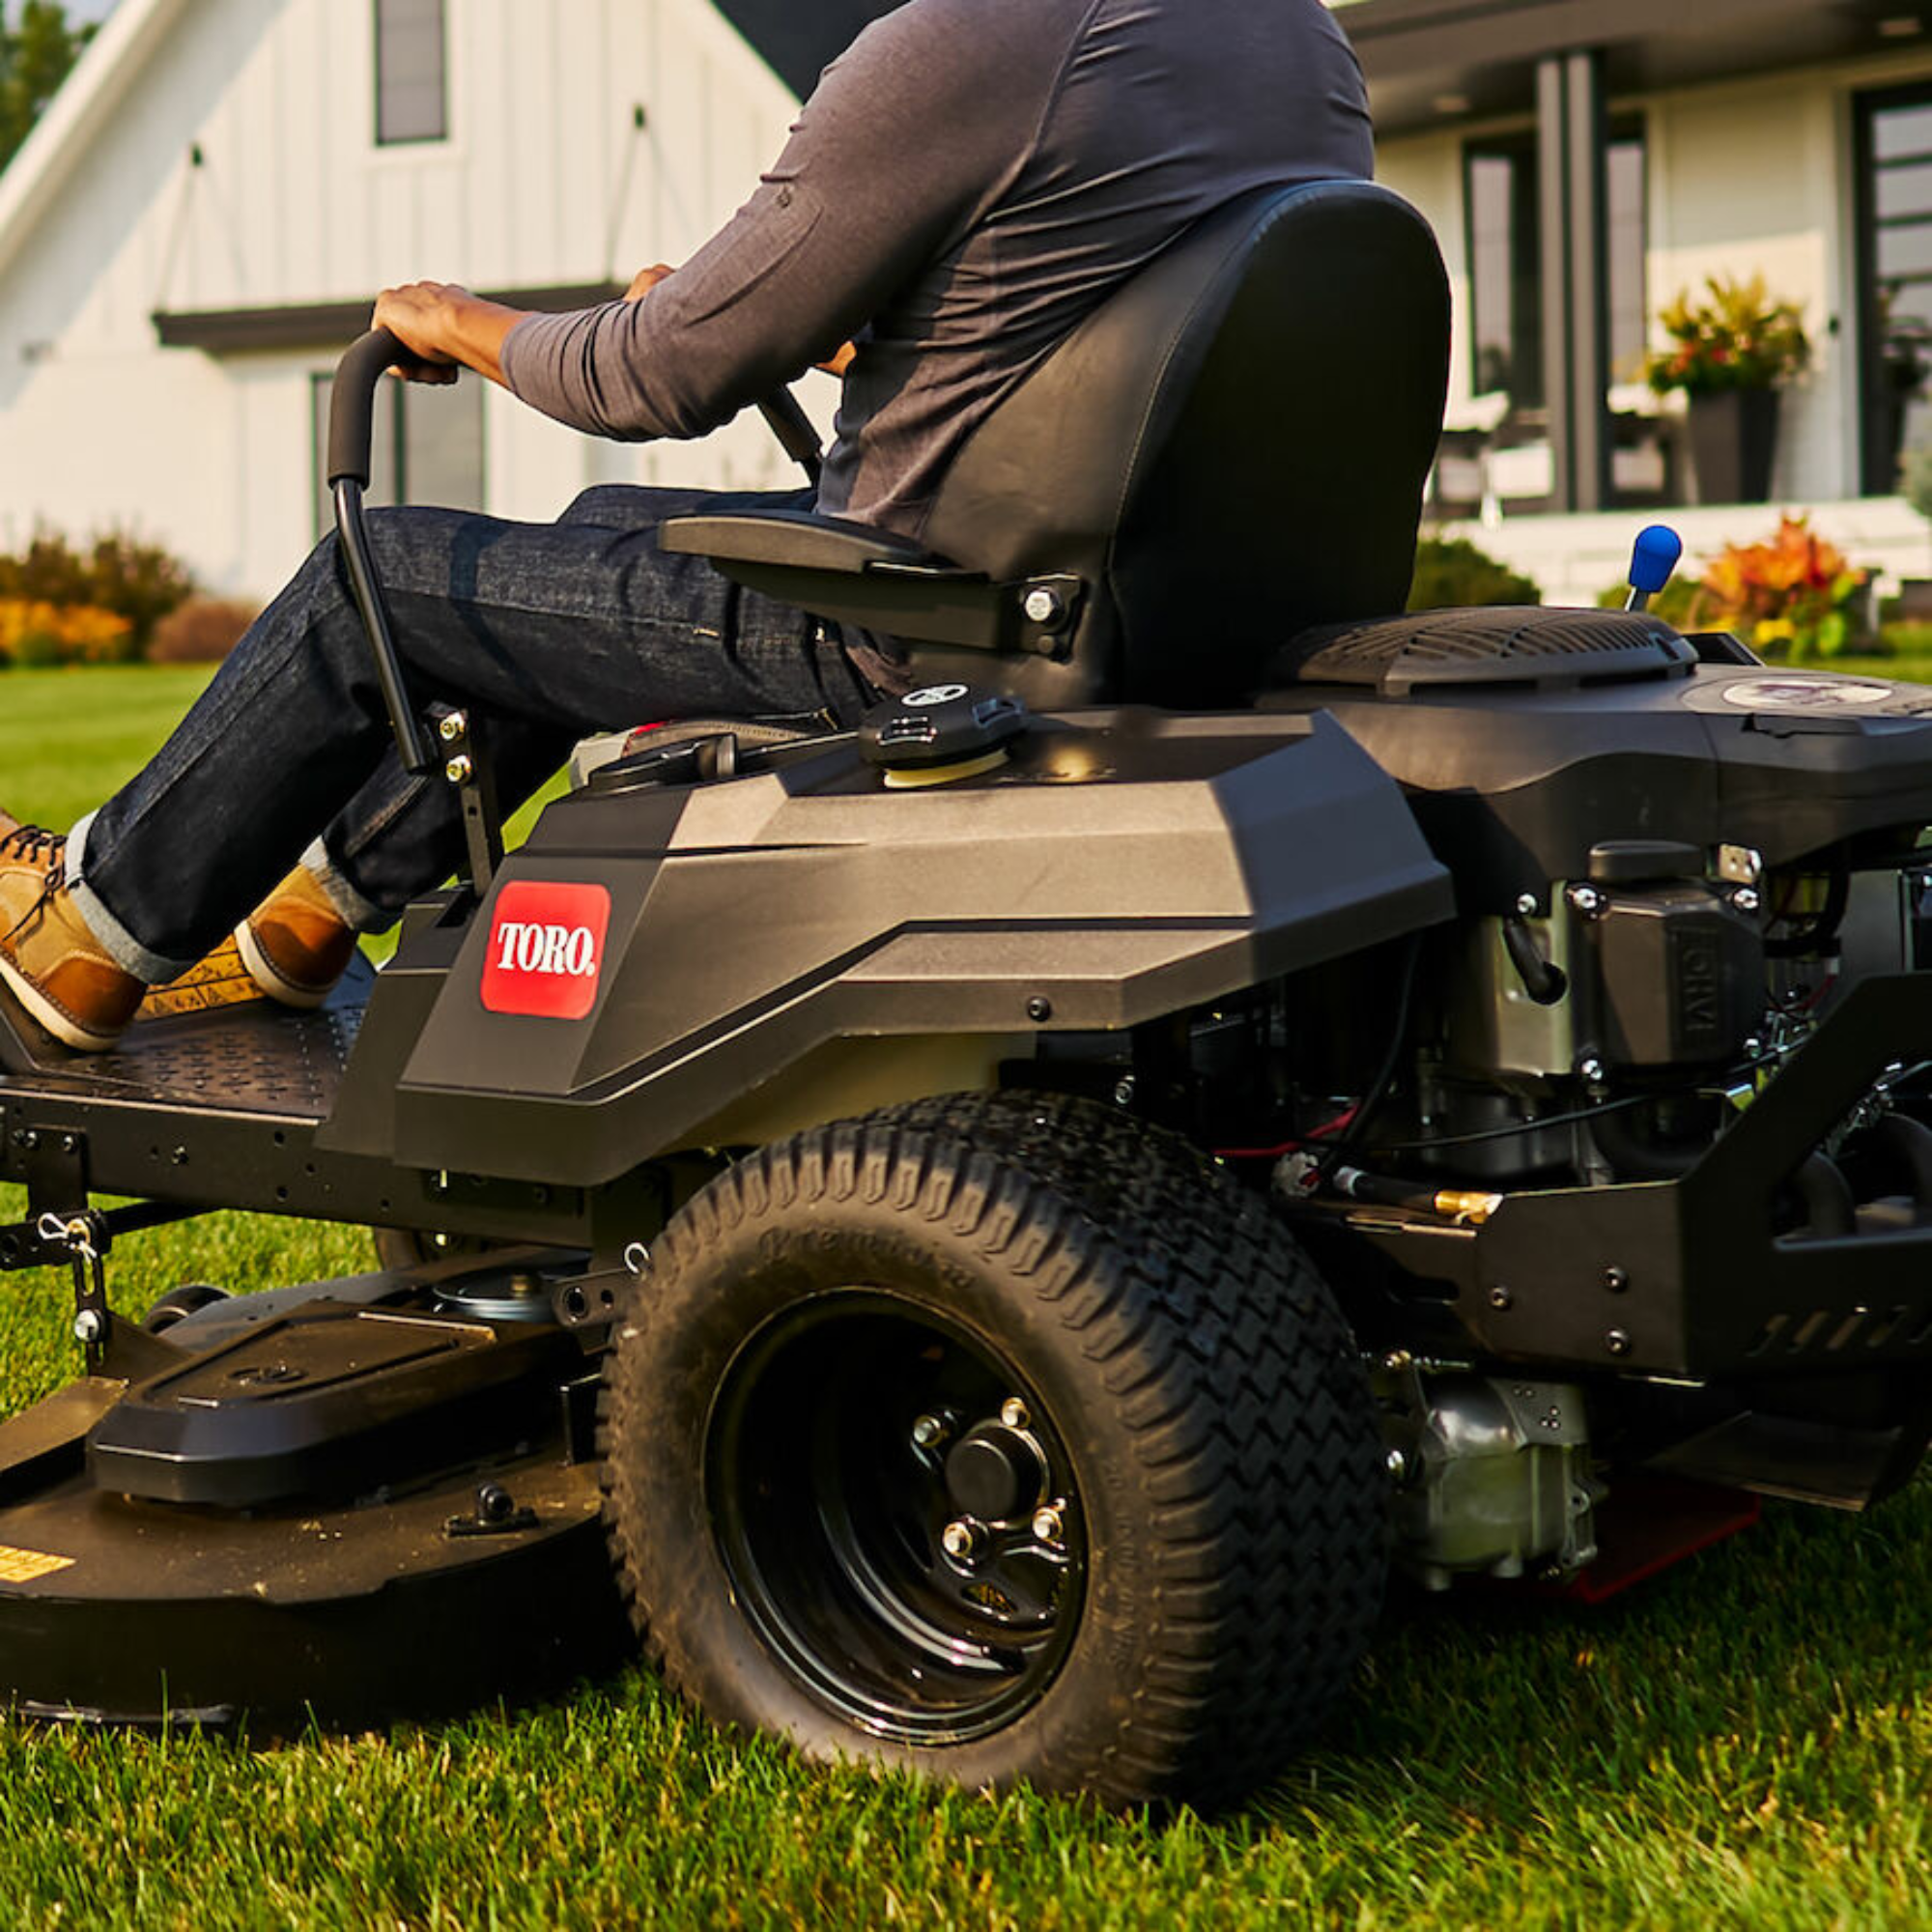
(343, 1504)
(125, 1612)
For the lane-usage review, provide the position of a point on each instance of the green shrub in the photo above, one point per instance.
(141, 583)
(1905, 638)
(1451, 573)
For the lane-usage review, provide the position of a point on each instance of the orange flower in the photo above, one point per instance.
(1795, 594)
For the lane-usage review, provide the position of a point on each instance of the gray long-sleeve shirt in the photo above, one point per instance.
(968, 181)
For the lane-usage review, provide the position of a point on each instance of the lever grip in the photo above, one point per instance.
(784, 415)
(352, 415)
(352, 403)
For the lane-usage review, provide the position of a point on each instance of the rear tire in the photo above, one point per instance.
(1196, 1419)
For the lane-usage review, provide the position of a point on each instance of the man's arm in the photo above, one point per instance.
(901, 146)
(444, 326)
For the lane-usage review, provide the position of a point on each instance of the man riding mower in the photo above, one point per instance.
(980, 1240)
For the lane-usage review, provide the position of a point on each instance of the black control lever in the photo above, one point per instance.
(785, 414)
(351, 417)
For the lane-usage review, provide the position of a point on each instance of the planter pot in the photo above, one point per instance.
(1733, 444)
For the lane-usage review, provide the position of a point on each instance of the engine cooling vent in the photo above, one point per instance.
(1504, 644)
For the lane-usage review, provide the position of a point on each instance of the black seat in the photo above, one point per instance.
(1230, 451)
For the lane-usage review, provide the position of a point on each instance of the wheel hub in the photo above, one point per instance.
(886, 1549)
(996, 1474)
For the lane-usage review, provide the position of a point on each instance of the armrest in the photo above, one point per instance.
(793, 540)
(879, 582)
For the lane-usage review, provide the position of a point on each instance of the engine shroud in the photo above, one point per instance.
(1516, 779)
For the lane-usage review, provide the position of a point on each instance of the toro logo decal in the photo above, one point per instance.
(546, 949)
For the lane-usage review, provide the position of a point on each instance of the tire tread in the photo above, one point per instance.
(1253, 1444)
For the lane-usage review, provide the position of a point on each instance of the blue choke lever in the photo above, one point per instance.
(1658, 551)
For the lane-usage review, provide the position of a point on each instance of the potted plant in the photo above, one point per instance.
(1731, 354)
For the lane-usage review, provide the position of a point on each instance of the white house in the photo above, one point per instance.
(195, 231)
(1585, 160)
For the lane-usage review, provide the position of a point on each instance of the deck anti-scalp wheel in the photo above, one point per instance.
(1005, 1438)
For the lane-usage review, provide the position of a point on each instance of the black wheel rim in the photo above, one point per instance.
(832, 1516)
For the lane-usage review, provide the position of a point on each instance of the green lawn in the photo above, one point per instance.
(1745, 1743)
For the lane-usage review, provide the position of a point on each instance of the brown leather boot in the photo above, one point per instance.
(50, 962)
(295, 944)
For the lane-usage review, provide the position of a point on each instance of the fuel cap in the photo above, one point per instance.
(942, 732)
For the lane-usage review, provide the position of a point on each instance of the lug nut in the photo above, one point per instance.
(1013, 1412)
(962, 1541)
(88, 1326)
(928, 1432)
(1049, 1524)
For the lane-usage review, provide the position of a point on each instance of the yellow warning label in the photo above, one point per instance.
(29, 1566)
(219, 980)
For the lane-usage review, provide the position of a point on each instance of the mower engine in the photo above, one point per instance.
(1630, 1122)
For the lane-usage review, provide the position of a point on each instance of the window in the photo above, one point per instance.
(1505, 234)
(1506, 262)
(1895, 193)
(1626, 236)
(1505, 270)
(412, 60)
(427, 446)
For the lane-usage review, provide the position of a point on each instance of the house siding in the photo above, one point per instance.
(543, 180)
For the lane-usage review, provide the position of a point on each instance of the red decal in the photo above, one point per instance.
(546, 949)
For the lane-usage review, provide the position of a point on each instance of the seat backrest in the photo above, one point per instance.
(1231, 450)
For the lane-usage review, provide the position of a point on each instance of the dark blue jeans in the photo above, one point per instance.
(544, 633)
